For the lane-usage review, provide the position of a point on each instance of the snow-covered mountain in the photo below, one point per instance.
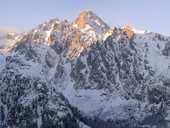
(84, 74)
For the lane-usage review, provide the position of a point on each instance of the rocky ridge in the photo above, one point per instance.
(85, 74)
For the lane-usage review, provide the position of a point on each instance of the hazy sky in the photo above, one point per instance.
(152, 15)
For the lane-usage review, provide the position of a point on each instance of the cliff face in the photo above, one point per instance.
(84, 74)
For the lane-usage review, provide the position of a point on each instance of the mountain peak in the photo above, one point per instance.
(83, 17)
(92, 20)
(87, 13)
(136, 31)
(130, 31)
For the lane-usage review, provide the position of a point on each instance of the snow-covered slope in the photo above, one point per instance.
(84, 74)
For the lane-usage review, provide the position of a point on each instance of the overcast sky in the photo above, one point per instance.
(152, 15)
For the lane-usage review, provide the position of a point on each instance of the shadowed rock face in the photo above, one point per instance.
(166, 51)
(30, 102)
(60, 75)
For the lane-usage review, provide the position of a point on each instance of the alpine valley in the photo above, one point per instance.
(84, 74)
